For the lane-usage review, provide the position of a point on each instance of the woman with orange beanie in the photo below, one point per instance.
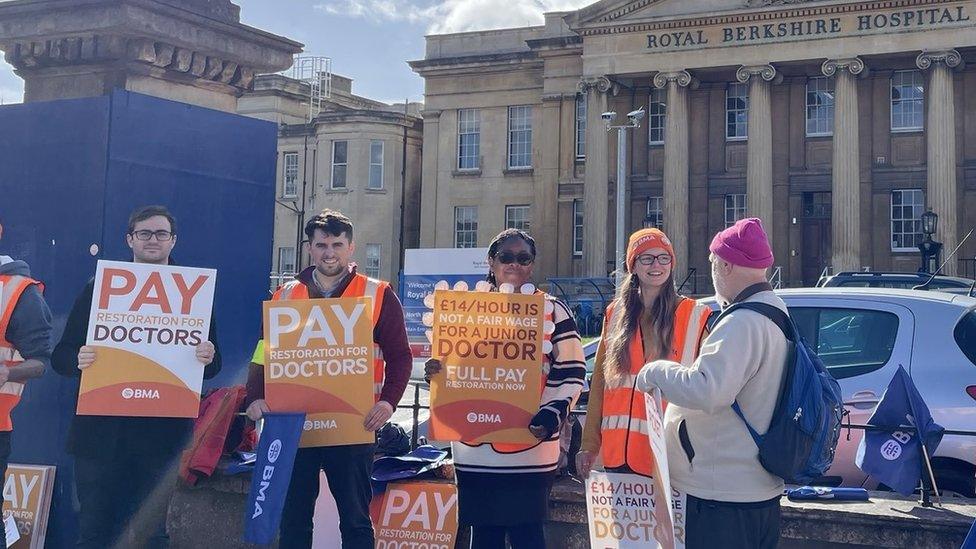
(646, 321)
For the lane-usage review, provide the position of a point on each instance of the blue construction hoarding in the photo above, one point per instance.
(71, 171)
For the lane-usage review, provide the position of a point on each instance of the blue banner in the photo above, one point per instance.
(272, 475)
(894, 456)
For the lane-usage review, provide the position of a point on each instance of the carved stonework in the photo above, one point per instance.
(601, 84)
(926, 59)
(681, 78)
(99, 48)
(764, 3)
(854, 65)
(745, 72)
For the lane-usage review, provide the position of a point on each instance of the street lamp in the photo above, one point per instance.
(633, 121)
(929, 248)
(649, 222)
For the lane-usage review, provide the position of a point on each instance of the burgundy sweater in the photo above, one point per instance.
(390, 333)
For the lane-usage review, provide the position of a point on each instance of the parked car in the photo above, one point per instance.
(904, 281)
(864, 334)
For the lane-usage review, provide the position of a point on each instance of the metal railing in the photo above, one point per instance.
(776, 280)
(967, 268)
(691, 278)
(277, 279)
(826, 272)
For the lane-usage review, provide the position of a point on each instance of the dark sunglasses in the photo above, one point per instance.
(523, 259)
(648, 259)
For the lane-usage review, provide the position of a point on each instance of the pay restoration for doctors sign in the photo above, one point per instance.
(145, 324)
(491, 348)
(319, 360)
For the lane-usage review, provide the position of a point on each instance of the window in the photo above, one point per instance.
(735, 208)
(519, 137)
(375, 165)
(286, 260)
(907, 207)
(656, 113)
(907, 97)
(372, 268)
(965, 335)
(340, 157)
(469, 139)
(655, 212)
(578, 227)
(820, 106)
(466, 227)
(580, 126)
(517, 217)
(737, 111)
(850, 342)
(289, 186)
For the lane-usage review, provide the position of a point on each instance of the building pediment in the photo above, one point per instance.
(612, 13)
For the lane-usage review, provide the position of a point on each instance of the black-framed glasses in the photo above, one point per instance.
(649, 259)
(161, 236)
(523, 259)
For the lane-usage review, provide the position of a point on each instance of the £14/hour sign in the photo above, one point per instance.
(319, 360)
(145, 324)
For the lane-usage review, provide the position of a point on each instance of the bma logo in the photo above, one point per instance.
(484, 418)
(320, 424)
(892, 449)
(274, 451)
(147, 394)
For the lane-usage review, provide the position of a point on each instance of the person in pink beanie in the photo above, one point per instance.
(712, 458)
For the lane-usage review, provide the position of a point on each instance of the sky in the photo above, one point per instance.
(369, 41)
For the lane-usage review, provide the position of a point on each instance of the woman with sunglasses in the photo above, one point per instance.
(646, 321)
(503, 489)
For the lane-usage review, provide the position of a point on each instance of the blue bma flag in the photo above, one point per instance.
(272, 475)
(894, 456)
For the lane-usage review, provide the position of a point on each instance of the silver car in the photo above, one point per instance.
(864, 334)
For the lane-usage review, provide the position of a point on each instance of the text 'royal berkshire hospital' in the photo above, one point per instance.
(837, 123)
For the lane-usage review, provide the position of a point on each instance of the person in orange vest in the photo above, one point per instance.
(25, 343)
(503, 489)
(647, 320)
(332, 274)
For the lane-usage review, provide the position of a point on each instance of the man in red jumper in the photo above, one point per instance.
(332, 274)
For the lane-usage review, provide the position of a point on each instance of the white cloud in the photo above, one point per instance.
(11, 86)
(445, 16)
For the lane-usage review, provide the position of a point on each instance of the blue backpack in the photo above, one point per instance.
(803, 433)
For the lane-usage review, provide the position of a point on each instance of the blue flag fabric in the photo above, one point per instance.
(970, 541)
(272, 475)
(893, 456)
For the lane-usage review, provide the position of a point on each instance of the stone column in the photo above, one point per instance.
(544, 211)
(676, 166)
(846, 194)
(596, 185)
(759, 169)
(940, 131)
(429, 192)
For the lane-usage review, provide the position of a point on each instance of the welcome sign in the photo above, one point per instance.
(145, 324)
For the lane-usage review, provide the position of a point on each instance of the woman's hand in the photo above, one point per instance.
(431, 368)
(584, 463)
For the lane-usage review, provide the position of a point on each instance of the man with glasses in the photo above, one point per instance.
(125, 466)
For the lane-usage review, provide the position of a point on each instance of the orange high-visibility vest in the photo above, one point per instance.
(359, 286)
(624, 431)
(11, 288)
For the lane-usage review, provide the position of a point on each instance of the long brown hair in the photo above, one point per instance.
(627, 311)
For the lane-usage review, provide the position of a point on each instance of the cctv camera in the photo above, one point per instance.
(636, 115)
(608, 116)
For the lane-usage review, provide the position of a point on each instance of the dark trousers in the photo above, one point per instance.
(347, 468)
(523, 536)
(723, 525)
(124, 499)
(4, 458)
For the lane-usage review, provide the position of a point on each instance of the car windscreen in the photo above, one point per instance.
(965, 334)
